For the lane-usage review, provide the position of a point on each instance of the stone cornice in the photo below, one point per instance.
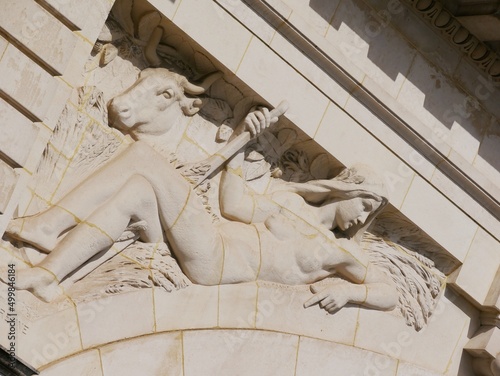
(442, 20)
(381, 110)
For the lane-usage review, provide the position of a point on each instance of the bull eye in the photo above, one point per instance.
(169, 93)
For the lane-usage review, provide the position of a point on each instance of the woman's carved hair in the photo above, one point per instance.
(358, 181)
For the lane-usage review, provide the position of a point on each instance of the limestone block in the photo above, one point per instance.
(87, 17)
(453, 115)
(17, 134)
(3, 46)
(26, 82)
(243, 13)
(317, 357)
(8, 179)
(350, 143)
(461, 199)
(406, 369)
(439, 218)
(85, 364)
(167, 8)
(461, 363)
(312, 72)
(310, 31)
(59, 100)
(485, 343)
(238, 306)
(281, 7)
(493, 296)
(268, 74)
(432, 348)
(194, 307)
(316, 14)
(95, 15)
(479, 178)
(239, 352)
(479, 85)
(371, 46)
(479, 270)
(49, 338)
(391, 139)
(18, 191)
(214, 29)
(487, 160)
(39, 32)
(283, 310)
(106, 320)
(153, 355)
(38, 147)
(74, 73)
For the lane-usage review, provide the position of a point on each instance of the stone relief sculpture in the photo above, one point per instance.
(139, 186)
(307, 226)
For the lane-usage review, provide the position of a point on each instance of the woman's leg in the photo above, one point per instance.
(136, 201)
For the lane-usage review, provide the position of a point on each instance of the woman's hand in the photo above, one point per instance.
(331, 297)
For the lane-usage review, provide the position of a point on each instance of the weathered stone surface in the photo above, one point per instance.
(39, 32)
(149, 355)
(268, 267)
(7, 184)
(17, 134)
(84, 364)
(26, 82)
(483, 255)
(88, 16)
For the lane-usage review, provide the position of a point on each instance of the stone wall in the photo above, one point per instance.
(44, 47)
(368, 81)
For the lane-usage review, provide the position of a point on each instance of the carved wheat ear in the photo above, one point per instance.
(349, 175)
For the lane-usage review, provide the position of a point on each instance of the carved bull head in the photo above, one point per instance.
(155, 101)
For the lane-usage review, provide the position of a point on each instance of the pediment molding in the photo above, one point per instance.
(443, 21)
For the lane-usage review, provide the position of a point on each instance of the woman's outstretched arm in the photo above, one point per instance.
(363, 282)
(377, 292)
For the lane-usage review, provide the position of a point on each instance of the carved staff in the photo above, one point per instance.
(231, 148)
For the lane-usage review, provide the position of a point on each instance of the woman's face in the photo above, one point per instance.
(354, 212)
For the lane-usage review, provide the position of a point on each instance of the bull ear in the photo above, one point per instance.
(193, 89)
(146, 72)
(150, 71)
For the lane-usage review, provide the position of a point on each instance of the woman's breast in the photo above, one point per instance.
(288, 255)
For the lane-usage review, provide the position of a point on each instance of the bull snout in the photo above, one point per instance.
(120, 107)
(119, 111)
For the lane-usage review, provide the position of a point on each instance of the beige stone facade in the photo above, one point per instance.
(366, 81)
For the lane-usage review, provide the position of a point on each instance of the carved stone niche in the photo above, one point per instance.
(155, 216)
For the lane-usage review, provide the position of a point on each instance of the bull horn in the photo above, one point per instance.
(203, 86)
